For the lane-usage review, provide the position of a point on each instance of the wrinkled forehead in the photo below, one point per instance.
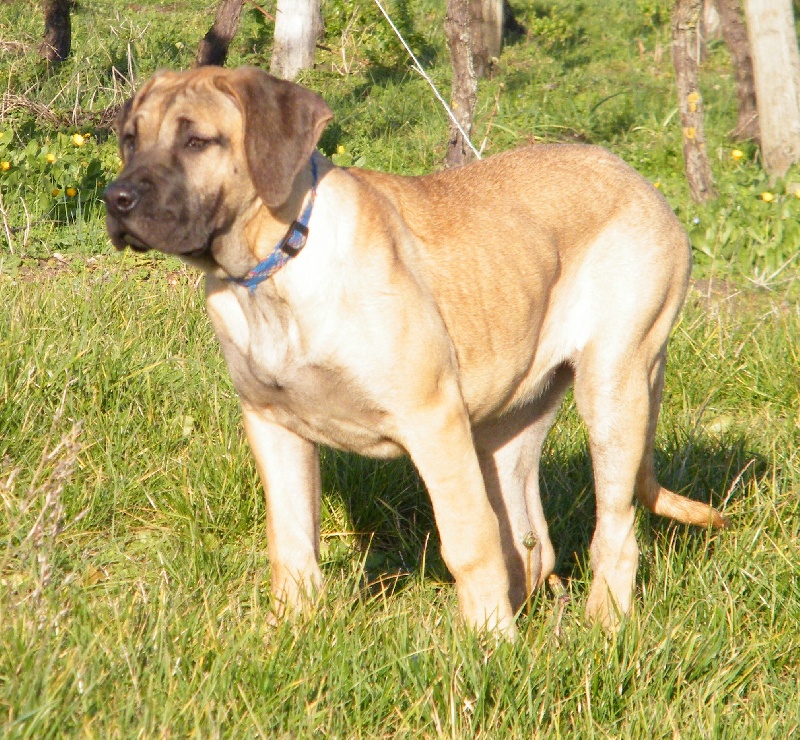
(172, 101)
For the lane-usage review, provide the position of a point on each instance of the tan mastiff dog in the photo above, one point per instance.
(443, 317)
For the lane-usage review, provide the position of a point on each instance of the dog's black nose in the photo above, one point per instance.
(121, 197)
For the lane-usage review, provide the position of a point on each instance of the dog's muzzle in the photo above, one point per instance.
(135, 220)
(122, 197)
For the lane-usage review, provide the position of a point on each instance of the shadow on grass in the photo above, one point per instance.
(390, 512)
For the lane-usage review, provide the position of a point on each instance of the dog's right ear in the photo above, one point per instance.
(282, 125)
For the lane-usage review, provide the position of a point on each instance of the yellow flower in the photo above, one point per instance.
(78, 139)
(55, 192)
(767, 197)
(690, 132)
(50, 158)
(657, 185)
(340, 149)
(71, 192)
(5, 166)
(737, 154)
(693, 98)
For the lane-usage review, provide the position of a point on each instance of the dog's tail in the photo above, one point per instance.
(666, 503)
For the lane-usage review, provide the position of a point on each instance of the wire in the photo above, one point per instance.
(429, 80)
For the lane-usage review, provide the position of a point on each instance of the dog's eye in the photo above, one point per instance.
(128, 144)
(197, 143)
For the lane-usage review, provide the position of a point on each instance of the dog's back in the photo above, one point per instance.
(518, 251)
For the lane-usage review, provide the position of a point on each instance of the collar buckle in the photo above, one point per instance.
(290, 246)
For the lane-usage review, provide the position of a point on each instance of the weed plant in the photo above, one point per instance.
(134, 580)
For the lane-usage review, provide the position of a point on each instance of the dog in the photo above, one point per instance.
(440, 316)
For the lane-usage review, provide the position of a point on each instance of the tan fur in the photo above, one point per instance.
(442, 316)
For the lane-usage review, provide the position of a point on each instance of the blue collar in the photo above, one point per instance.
(288, 247)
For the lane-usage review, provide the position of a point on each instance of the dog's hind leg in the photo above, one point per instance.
(613, 394)
(510, 451)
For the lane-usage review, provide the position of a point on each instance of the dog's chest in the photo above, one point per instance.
(279, 370)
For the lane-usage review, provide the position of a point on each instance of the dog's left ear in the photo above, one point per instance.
(282, 125)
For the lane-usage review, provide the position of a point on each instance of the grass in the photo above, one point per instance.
(134, 581)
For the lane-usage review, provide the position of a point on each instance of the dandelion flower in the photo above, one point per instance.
(340, 149)
(71, 192)
(657, 185)
(50, 158)
(767, 197)
(55, 192)
(737, 154)
(5, 166)
(78, 139)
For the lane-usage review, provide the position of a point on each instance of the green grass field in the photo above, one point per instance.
(134, 581)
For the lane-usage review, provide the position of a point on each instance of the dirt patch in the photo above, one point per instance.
(726, 295)
(101, 267)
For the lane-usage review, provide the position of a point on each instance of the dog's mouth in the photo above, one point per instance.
(123, 236)
(136, 244)
(145, 234)
(129, 240)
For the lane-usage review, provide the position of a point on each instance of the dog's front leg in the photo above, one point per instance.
(289, 469)
(439, 440)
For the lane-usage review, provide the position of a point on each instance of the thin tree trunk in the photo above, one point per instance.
(465, 83)
(711, 21)
(486, 33)
(57, 30)
(686, 45)
(213, 49)
(734, 33)
(298, 25)
(776, 68)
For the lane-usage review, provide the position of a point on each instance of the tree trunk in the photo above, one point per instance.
(298, 25)
(776, 68)
(709, 26)
(57, 30)
(711, 22)
(486, 33)
(686, 45)
(735, 34)
(213, 49)
(465, 83)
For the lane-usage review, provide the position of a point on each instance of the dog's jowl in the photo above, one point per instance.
(443, 317)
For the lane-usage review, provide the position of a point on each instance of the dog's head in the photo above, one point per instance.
(200, 148)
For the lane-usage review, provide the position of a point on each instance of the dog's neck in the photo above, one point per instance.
(288, 247)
